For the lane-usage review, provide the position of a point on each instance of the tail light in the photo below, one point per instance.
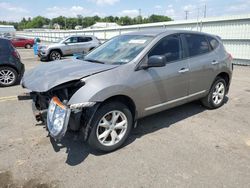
(230, 56)
(16, 54)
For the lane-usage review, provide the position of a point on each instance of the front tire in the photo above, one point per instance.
(216, 95)
(8, 76)
(111, 126)
(55, 55)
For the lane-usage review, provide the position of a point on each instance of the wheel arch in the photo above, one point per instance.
(119, 98)
(227, 79)
(11, 66)
(56, 49)
(225, 76)
(126, 100)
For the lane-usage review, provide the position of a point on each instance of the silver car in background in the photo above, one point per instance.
(126, 78)
(70, 45)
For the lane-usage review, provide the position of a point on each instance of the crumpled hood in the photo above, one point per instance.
(48, 75)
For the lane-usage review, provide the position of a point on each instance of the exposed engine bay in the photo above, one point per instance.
(80, 116)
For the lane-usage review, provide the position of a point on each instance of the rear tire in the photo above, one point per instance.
(8, 76)
(28, 46)
(216, 95)
(111, 126)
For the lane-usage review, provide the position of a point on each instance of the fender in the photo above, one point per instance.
(93, 94)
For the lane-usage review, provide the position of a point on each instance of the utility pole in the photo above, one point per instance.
(205, 11)
(198, 15)
(139, 12)
(186, 12)
(65, 23)
(139, 18)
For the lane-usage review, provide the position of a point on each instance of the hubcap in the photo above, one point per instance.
(112, 128)
(7, 77)
(218, 93)
(56, 56)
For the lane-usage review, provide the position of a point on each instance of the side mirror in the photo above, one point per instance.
(65, 43)
(155, 61)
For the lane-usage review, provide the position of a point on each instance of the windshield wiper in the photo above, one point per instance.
(94, 61)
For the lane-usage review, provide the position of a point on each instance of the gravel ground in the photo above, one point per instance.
(187, 146)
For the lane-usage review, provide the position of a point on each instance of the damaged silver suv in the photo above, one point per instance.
(128, 77)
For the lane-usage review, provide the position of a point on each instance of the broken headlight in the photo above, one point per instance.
(57, 118)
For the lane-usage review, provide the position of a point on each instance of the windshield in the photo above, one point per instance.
(119, 50)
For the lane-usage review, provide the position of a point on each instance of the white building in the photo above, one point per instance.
(78, 27)
(7, 30)
(57, 26)
(103, 25)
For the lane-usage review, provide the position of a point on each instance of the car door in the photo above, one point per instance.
(164, 87)
(83, 44)
(17, 42)
(70, 46)
(201, 59)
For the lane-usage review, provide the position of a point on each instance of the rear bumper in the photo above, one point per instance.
(22, 70)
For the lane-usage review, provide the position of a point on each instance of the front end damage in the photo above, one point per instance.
(51, 109)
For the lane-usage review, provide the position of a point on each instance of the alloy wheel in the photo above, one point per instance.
(7, 77)
(55, 56)
(218, 93)
(112, 128)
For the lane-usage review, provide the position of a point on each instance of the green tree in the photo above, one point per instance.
(59, 20)
(39, 21)
(125, 20)
(158, 18)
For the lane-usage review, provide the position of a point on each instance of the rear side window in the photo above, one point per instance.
(196, 44)
(170, 47)
(84, 39)
(214, 43)
(4, 47)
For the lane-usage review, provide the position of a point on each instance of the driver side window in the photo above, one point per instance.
(170, 47)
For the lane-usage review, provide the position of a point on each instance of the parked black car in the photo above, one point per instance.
(11, 67)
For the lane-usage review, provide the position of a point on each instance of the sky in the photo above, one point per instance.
(15, 10)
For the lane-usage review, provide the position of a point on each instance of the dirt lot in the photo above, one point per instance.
(188, 146)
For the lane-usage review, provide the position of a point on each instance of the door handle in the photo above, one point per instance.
(183, 70)
(214, 62)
